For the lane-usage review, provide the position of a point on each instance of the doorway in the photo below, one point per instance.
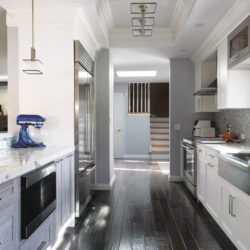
(119, 131)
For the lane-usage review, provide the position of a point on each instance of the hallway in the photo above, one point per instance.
(145, 211)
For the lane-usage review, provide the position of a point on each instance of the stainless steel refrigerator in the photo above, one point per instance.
(84, 127)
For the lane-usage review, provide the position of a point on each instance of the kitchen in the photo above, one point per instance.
(73, 100)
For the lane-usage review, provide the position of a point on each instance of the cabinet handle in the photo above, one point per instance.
(212, 156)
(210, 165)
(229, 205)
(200, 150)
(232, 210)
(42, 245)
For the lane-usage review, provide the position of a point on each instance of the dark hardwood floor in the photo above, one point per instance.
(145, 211)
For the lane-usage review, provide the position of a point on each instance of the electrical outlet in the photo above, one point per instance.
(177, 126)
(3, 144)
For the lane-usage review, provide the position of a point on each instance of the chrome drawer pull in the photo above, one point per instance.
(212, 156)
(233, 214)
(229, 205)
(42, 245)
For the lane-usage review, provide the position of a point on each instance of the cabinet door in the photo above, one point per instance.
(66, 196)
(222, 75)
(228, 217)
(213, 201)
(58, 198)
(201, 180)
(243, 232)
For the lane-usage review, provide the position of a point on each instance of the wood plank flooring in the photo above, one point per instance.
(145, 211)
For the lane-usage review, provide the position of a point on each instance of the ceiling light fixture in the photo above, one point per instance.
(147, 73)
(143, 21)
(32, 66)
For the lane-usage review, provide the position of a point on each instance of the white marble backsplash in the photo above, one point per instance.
(239, 119)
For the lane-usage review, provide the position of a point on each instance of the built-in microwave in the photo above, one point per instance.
(38, 198)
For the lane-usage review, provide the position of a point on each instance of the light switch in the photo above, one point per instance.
(177, 126)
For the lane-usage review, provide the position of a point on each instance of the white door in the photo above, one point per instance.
(119, 114)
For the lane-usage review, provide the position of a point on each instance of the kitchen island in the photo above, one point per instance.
(226, 202)
(15, 163)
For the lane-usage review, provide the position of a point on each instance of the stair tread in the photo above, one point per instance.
(159, 139)
(159, 127)
(159, 152)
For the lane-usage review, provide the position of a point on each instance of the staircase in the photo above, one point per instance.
(159, 134)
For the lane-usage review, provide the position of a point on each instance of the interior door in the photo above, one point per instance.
(119, 138)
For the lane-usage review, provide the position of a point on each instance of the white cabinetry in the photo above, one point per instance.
(233, 85)
(205, 103)
(228, 205)
(9, 214)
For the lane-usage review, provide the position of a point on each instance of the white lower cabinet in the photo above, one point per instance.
(213, 198)
(201, 180)
(243, 233)
(228, 215)
(228, 205)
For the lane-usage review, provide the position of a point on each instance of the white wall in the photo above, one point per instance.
(50, 95)
(3, 43)
(104, 117)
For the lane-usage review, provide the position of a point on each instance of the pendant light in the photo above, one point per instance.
(32, 66)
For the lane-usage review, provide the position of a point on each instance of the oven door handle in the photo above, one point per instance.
(90, 170)
(188, 147)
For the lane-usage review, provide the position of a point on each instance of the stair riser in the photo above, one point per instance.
(160, 157)
(157, 130)
(159, 149)
(159, 136)
(160, 143)
(159, 119)
(159, 125)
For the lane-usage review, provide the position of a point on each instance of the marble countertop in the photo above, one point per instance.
(228, 148)
(17, 162)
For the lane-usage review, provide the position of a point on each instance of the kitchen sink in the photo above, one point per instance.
(235, 168)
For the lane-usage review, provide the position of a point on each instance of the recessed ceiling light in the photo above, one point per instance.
(148, 73)
(199, 25)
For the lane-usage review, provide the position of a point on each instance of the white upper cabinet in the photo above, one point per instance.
(233, 85)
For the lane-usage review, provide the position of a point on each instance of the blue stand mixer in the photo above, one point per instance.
(25, 121)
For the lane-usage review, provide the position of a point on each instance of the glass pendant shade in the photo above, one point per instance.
(32, 66)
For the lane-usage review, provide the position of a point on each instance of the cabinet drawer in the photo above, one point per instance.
(7, 232)
(212, 156)
(40, 239)
(201, 152)
(7, 191)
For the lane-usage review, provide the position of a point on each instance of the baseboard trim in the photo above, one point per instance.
(137, 157)
(104, 187)
(175, 178)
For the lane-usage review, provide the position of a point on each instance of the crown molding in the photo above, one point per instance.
(122, 37)
(180, 15)
(237, 13)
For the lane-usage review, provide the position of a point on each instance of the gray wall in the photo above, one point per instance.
(137, 127)
(181, 108)
(104, 117)
(239, 119)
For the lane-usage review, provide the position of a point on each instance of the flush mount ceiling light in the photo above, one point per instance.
(146, 8)
(143, 21)
(138, 21)
(32, 66)
(147, 73)
(142, 32)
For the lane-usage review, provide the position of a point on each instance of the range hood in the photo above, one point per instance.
(210, 90)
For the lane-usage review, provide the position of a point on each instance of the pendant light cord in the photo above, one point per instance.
(33, 24)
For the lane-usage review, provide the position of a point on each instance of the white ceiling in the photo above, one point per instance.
(168, 40)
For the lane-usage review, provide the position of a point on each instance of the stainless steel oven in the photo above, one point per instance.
(189, 165)
(38, 198)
